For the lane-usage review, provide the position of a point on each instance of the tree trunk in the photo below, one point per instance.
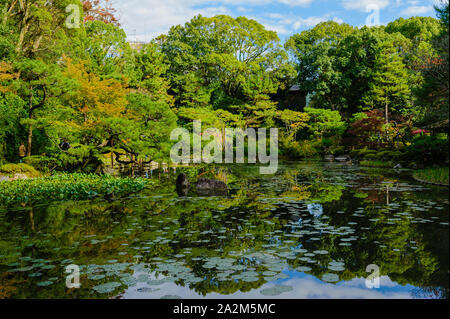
(30, 139)
(30, 128)
(387, 112)
(24, 25)
(112, 154)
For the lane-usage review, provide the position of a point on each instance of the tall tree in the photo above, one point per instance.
(313, 54)
(40, 36)
(211, 60)
(434, 93)
(389, 88)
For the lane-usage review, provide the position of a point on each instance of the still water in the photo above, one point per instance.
(309, 231)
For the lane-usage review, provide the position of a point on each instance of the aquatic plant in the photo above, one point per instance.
(382, 164)
(433, 175)
(67, 187)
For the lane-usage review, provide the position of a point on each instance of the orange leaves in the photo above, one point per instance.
(5, 76)
(95, 99)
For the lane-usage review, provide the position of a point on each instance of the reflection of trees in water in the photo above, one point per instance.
(430, 292)
(246, 219)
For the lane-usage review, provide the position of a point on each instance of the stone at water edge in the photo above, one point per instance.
(4, 178)
(19, 176)
(211, 187)
(182, 185)
(343, 158)
(211, 184)
(329, 158)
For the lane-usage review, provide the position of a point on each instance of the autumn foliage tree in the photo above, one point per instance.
(100, 10)
(367, 131)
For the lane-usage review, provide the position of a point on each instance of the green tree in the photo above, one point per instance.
(222, 61)
(313, 51)
(389, 83)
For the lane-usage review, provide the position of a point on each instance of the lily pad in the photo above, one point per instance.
(276, 290)
(107, 288)
(330, 277)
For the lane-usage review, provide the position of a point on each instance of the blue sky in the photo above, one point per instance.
(146, 19)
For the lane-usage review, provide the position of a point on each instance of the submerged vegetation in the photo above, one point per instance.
(67, 187)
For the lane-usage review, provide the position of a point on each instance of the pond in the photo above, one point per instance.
(309, 231)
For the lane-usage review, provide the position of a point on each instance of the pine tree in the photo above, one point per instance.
(389, 88)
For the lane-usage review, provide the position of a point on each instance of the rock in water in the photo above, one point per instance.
(205, 183)
(182, 185)
(211, 187)
(343, 158)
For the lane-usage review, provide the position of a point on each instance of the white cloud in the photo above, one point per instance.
(287, 24)
(417, 10)
(308, 22)
(278, 28)
(364, 5)
(146, 19)
(301, 3)
(294, 3)
(307, 287)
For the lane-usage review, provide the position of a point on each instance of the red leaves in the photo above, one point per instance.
(366, 129)
(100, 10)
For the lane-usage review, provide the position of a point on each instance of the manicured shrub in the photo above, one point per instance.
(427, 150)
(327, 142)
(21, 168)
(371, 156)
(388, 155)
(325, 123)
(337, 150)
(303, 149)
(362, 153)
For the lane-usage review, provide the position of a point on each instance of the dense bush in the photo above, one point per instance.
(42, 163)
(325, 123)
(366, 130)
(361, 153)
(337, 150)
(303, 149)
(386, 155)
(66, 187)
(428, 150)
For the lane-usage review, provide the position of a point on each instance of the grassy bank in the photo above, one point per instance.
(67, 187)
(433, 175)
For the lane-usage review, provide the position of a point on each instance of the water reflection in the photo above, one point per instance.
(307, 232)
